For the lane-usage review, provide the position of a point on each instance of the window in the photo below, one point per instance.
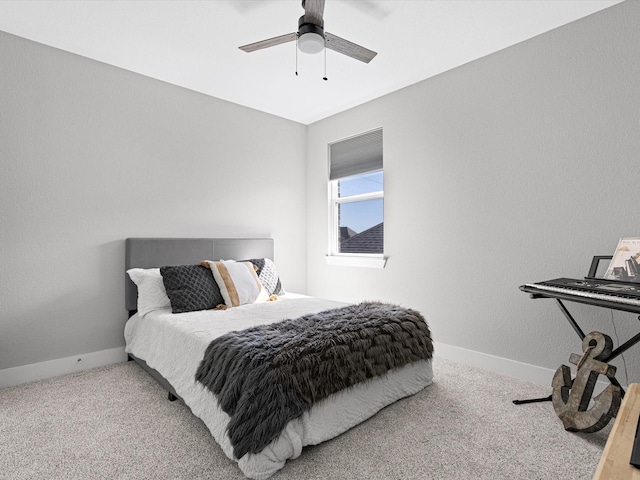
(356, 190)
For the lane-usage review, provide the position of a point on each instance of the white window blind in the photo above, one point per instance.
(356, 155)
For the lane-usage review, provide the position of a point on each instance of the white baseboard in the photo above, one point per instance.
(60, 366)
(513, 368)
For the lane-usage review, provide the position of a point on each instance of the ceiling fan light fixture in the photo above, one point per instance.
(310, 36)
(311, 43)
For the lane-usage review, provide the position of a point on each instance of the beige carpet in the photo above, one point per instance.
(116, 423)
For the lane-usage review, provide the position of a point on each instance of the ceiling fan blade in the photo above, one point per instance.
(252, 47)
(348, 48)
(313, 11)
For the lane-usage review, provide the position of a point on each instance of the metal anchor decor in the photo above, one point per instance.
(571, 398)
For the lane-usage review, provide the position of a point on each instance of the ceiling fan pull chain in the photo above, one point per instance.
(296, 55)
(325, 60)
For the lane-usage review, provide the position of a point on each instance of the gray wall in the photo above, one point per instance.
(91, 154)
(514, 168)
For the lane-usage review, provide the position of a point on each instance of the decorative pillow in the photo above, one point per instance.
(238, 282)
(268, 275)
(151, 292)
(190, 288)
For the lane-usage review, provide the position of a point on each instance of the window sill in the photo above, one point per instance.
(356, 261)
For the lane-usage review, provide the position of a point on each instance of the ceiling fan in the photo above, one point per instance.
(312, 38)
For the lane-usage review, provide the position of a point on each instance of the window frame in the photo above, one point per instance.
(334, 256)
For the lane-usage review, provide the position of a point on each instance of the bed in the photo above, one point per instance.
(174, 348)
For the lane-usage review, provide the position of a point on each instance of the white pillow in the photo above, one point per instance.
(151, 292)
(238, 282)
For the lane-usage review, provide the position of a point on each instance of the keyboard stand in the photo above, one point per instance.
(534, 400)
(615, 353)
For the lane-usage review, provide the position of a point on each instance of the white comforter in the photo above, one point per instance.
(175, 344)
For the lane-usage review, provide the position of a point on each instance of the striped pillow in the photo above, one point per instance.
(238, 282)
(268, 275)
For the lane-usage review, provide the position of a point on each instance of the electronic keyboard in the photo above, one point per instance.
(575, 289)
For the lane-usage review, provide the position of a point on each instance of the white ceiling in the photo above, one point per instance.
(194, 44)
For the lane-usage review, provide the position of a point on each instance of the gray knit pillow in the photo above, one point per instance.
(268, 275)
(190, 288)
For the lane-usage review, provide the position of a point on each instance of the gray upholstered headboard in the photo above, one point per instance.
(158, 252)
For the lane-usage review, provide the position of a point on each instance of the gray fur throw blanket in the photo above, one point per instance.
(267, 375)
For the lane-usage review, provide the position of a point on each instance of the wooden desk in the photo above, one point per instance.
(614, 463)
